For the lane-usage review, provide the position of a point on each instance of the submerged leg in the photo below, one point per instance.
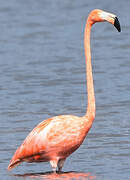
(60, 164)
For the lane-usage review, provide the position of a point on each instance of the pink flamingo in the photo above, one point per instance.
(56, 138)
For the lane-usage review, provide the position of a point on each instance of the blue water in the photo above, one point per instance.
(42, 74)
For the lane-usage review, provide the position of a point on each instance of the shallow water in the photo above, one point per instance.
(42, 74)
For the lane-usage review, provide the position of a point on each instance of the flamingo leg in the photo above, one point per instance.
(60, 164)
(57, 163)
(53, 165)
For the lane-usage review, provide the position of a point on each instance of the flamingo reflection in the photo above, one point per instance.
(56, 176)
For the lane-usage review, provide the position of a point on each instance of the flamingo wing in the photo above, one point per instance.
(29, 148)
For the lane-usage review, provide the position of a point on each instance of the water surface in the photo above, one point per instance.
(42, 74)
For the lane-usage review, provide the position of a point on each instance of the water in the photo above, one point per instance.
(42, 74)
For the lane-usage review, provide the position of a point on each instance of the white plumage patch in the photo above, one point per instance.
(105, 15)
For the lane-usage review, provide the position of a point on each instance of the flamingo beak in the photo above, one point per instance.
(117, 24)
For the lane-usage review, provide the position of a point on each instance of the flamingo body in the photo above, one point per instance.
(56, 138)
(53, 139)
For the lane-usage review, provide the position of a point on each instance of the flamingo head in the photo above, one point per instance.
(98, 15)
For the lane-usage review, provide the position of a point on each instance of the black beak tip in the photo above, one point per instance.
(117, 24)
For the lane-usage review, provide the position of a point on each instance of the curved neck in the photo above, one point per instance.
(90, 87)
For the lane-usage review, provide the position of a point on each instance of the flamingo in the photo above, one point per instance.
(54, 139)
